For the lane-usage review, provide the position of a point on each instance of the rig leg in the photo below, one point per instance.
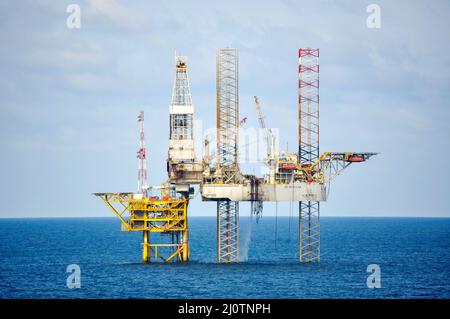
(145, 247)
(185, 245)
(309, 231)
(227, 231)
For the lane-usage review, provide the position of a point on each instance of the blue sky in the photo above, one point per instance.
(70, 97)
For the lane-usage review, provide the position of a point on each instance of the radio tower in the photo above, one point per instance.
(141, 155)
(308, 148)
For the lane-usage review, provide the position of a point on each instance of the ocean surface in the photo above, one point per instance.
(413, 255)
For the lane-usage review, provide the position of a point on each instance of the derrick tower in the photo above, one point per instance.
(227, 122)
(308, 151)
(182, 166)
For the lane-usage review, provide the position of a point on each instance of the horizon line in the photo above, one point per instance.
(245, 216)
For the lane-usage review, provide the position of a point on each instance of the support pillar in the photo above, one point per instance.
(309, 230)
(227, 231)
(145, 247)
(185, 245)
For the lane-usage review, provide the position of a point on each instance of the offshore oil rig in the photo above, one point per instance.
(161, 212)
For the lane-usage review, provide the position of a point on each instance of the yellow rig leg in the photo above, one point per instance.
(145, 247)
(185, 245)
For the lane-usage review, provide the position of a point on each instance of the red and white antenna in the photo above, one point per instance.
(141, 155)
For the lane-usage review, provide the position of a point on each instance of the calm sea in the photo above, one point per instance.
(413, 255)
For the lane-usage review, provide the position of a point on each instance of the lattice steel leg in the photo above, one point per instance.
(309, 229)
(227, 231)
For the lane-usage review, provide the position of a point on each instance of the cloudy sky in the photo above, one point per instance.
(70, 97)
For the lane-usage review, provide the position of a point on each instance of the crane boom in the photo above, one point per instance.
(262, 124)
(267, 132)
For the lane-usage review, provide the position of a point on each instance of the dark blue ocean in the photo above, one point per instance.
(413, 255)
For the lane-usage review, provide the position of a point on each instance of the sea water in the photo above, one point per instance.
(413, 255)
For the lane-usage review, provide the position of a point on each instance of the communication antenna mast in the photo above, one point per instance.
(141, 155)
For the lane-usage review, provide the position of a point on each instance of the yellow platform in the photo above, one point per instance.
(162, 216)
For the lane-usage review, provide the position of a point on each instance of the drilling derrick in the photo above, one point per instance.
(308, 141)
(227, 150)
(182, 166)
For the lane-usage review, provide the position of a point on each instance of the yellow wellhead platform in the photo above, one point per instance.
(164, 216)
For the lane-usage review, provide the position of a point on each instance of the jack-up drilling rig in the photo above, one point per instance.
(301, 176)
